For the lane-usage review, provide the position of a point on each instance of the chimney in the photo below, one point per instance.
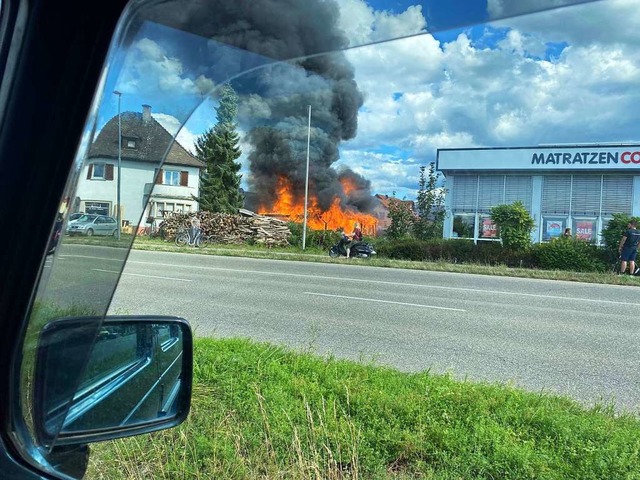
(146, 113)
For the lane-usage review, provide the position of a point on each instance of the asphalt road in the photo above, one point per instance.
(573, 338)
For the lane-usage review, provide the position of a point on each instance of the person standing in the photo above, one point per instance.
(628, 248)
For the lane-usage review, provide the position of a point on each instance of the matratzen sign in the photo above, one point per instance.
(540, 158)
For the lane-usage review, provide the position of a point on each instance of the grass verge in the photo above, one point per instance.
(264, 412)
(321, 256)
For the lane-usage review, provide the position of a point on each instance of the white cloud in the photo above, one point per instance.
(149, 70)
(171, 124)
(420, 95)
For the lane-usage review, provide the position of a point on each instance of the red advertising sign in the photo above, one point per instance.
(585, 230)
(489, 229)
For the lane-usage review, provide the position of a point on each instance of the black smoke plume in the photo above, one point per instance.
(274, 98)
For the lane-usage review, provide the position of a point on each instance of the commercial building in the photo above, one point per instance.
(578, 187)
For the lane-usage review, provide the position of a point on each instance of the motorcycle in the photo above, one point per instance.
(358, 250)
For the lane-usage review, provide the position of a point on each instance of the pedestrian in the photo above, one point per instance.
(195, 231)
(567, 233)
(628, 248)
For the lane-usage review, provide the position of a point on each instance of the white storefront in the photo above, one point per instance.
(576, 187)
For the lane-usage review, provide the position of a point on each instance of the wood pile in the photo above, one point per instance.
(244, 227)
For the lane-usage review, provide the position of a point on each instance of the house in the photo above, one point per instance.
(146, 189)
(381, 210)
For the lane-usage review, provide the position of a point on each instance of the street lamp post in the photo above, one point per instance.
(119, 94)
(306, 186)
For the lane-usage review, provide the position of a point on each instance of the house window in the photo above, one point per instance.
(159, 209)
(98, 170)
(171, 177)
(131, 144)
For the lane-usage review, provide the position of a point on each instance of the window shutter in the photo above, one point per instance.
(465, 191)
(617, 194)
(556, 194)
(184, 178)
(585, 196)
(159, 176)
(491, 192)
(108, 171)
(90, 171)
(518, 188)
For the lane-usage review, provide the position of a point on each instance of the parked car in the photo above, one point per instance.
(75, 216)
(93, 225)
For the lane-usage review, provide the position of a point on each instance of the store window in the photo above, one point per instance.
(585, 229)
(487, 228)
(463, 226)
(553, 227)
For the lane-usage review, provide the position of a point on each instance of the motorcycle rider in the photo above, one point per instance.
(355, 236)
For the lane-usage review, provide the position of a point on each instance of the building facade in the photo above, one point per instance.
(146, 191)
(578, 187)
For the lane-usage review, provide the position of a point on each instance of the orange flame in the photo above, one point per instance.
(333, 218)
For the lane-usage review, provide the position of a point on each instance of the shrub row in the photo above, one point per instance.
(560, 254)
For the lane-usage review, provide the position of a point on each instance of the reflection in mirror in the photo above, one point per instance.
(138, 375)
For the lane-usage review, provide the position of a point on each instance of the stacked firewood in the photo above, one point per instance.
(244, 227)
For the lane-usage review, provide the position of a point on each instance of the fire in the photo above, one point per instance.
(333, 218)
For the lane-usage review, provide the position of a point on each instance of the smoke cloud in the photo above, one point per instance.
(274, 99)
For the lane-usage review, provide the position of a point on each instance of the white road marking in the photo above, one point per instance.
(382, 282)
(385, 301)
(141, 275)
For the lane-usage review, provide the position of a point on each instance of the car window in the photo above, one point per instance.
(493, 106)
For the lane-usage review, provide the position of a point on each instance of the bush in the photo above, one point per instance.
(570, 254)
(323, 239)
(515, 224)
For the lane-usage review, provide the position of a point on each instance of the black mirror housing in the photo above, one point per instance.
(100, 379)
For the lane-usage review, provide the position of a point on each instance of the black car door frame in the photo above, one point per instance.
(51, 60)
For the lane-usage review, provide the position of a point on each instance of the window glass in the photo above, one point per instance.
(367, 119)
(463, 226)
(487, 228)
(553, 227)
(98, 170)
(171, 177)
(585, 228)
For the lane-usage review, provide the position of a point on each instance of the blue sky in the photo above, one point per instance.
(546, 78)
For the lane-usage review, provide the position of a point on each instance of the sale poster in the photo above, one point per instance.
(585, 230)
(489, 229)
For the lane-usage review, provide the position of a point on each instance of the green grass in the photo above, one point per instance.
(321, 256)
(264, 412)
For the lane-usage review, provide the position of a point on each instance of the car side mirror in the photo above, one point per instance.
(99, 380)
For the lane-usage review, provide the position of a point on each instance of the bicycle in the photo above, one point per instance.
(190, 236)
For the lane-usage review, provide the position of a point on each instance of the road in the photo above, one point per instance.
(572, 338)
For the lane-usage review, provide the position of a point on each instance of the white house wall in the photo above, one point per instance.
(137, 180)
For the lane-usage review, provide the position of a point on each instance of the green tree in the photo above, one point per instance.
(402, 219)
(514, 224)
(218, 149)
(429, 205)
